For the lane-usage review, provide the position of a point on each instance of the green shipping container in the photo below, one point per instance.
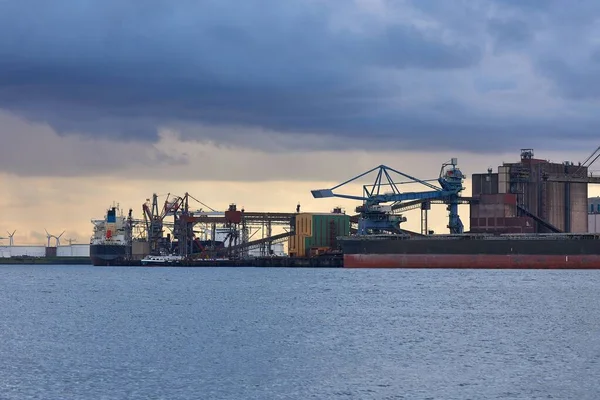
(326, 228)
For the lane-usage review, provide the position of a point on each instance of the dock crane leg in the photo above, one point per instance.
(455, 225)
(425, 207)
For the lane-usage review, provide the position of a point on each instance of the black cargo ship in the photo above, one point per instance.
(111, 242)
(108, 254)
(538, 251)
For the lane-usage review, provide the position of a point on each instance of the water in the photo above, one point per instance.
(74, 332)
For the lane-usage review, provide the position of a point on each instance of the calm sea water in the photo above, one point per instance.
(75, 332)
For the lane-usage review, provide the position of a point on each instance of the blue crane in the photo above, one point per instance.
(378, 218)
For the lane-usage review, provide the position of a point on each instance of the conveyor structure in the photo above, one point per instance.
(375, 217)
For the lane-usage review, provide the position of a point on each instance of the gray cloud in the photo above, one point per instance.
(409, 76)
(35, 150)
(510, 34)
(578, 80)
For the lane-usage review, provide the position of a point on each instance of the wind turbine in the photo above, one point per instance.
(58, 238)
(49, 236)
(10, 237)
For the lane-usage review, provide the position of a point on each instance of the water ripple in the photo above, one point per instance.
(132, 333)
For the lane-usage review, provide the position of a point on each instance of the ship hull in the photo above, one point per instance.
(107, 254)
(542, 252)
(492, 261)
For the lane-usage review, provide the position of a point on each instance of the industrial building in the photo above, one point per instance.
(525, 197)
(72, 250)
(531, 196)
(594, 214)
(317, 232)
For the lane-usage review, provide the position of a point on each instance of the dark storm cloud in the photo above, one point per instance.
(510, 34)
(399, 75)
(574, 80)
(567, 53)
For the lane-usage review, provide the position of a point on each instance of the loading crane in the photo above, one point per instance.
(589, 161)
(579, 176)
(153, 219)
(377, 218)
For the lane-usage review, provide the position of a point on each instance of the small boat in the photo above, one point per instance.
(162, 260)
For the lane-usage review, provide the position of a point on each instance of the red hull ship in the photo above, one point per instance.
(538, 251)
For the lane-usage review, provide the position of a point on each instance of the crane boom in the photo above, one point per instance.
(589, 161)
(375, 218)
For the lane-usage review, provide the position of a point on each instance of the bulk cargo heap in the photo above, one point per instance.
(530, 214)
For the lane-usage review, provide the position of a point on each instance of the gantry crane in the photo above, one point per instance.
(153, 219)
(378, 218)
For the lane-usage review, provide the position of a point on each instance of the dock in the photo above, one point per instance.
(300, 262)
(336, 261)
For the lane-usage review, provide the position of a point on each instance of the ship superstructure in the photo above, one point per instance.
(111, 242)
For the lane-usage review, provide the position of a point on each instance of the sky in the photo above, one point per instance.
(258, 102)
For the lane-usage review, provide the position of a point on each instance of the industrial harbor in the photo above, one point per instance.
(531, 213)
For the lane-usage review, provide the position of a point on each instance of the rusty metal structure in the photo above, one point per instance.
(533, 196)
(176, 228)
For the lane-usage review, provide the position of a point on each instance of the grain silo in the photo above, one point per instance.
(548, 197)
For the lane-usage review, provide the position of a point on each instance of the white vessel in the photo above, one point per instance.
(162, 260)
